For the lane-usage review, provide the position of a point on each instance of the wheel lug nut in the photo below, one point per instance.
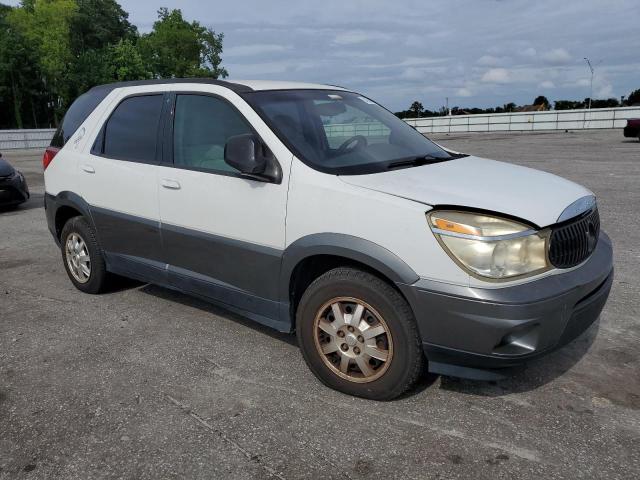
(344, 347)
(340, 333)
(360, 338)
(356, 350)
(350, 328)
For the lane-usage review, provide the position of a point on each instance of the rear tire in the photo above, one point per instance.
(82, 256)
(358, 335)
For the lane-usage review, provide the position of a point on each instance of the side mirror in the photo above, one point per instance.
(245, 153)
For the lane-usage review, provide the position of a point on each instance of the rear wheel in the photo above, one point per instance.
(358, 335)
(82, 257)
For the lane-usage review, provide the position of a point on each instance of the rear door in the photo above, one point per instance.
(118, 180)
(223, 233)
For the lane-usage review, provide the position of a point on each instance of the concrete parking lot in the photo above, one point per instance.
(144, 382)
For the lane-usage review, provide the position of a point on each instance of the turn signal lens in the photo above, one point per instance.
(455, 227)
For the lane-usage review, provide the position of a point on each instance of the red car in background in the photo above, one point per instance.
(633, 128)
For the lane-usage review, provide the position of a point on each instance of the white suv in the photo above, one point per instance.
(312, 208)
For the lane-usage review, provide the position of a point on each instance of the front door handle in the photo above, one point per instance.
(170, 184)
(88, 169)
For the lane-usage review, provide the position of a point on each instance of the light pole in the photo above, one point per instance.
(590, 83)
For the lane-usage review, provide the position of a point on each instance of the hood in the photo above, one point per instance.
(473, 182)
(5, 168)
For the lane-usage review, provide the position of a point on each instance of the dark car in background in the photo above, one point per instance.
(13, 185)
(633, 128)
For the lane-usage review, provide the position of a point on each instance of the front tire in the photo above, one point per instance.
(82, 256)
(358, 335)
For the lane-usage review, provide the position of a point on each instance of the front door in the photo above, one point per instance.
(223, 234)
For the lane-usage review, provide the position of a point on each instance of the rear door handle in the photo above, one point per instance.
(170, 184)
(88, 169)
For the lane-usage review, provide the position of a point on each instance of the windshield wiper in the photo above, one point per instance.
(416, 161)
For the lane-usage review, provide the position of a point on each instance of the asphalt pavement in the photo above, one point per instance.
(147, 383)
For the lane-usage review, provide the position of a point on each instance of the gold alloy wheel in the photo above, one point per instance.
(353, 339)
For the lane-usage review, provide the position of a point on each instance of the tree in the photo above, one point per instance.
(541, 100)
(127, 63)
(20, 79)
(416, 108)
(177, 48)
(633, 98)
(605, 103)
(98, 24)
(44, 26)
(96, 27)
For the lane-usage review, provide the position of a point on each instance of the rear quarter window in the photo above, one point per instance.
(77, 113)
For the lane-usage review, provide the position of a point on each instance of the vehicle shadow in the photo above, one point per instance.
(35, 201)
(531, 376)
(522, 379)
(194, 302)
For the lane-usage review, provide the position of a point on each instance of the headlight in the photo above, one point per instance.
(490, 247)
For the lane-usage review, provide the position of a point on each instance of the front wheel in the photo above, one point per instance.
(358, 335)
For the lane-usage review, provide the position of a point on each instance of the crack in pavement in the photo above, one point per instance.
(247, 454)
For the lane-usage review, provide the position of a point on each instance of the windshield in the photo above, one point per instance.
(343, 132)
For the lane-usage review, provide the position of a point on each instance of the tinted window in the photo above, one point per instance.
(78, 113)
(201, 128)
(131, 132)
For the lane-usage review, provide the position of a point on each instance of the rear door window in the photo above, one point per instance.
(131, 133)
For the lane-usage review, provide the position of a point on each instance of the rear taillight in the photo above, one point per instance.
(47, 158)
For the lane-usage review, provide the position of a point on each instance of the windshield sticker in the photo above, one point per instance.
(334, 97)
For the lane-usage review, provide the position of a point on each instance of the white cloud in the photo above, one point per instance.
(496, 75)
(557, 56)
(464, 92)
(352, 37)
(488, 61)
(604, 91)
(529, 52)
(547, 84)
(255, 49)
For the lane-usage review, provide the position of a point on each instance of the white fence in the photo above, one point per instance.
(36, 138)
(493, 122)
(528, 121)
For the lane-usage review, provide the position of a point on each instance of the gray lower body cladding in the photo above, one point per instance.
(466, 328)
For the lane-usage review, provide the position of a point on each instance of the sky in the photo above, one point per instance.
(479, 53)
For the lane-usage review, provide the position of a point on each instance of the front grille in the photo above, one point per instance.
(571, 243)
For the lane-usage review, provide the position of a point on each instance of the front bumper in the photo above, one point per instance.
(13, 190)
(469, 331)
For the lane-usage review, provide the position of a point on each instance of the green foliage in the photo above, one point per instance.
(541, 100)
(633, 98)
(44, 26)
(127, 63)
(568, 105)
(20, 79)
(99, 23)
(177, 48)
(51, 51)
